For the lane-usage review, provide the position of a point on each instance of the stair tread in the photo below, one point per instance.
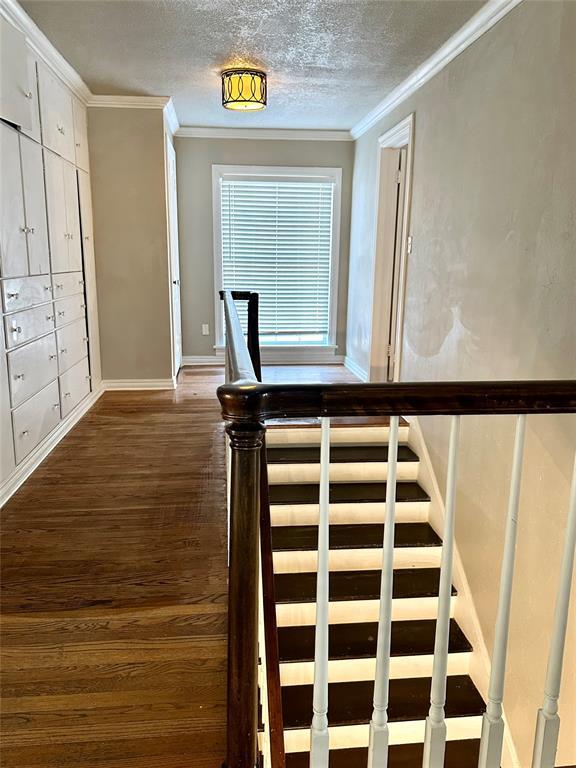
(339, 454)
(409, 699)
(358, 641)
(353, 536)
(459, 754)
(357, 585)
(342, 493)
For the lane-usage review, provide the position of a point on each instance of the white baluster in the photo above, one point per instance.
(492, 722)
(378, 745)
(435, 735)
(548, 721)
(319, 739)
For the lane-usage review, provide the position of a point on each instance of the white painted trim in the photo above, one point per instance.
(130, 102)
(171, 118)
(260, 134)
(34, 459)
(282, 173)
(465, 611)
(39, 43)
(399, 136)
(481, 22)
(276, 356)
(111, 385)
(354, 368)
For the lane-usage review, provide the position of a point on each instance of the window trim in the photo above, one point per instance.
(278, 173)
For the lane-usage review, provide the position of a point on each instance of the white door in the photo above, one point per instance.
(34, 131)
(174, 258)
(56, 207)
(81, 134)
(56, 114)
(35, 207)
(13, 255)
(72, 218)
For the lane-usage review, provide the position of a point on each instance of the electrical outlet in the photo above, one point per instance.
(205, 329)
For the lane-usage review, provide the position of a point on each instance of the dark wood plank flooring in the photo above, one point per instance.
(114, 586)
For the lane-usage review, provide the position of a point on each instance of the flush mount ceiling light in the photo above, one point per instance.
(243, 89)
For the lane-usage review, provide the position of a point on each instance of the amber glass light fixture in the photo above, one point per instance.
(243, 89)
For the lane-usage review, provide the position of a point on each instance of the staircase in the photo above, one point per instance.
(358, 472)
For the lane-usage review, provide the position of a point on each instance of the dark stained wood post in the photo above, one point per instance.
(246, 444)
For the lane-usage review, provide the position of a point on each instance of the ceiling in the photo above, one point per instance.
(328, 61)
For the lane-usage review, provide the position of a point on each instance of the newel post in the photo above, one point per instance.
(245, 445)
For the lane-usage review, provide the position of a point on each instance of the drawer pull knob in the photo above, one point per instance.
(19, 376)
(24, 432)
(80, 282)
(31, 230)
(61, 130)
(24, 230)
(53, 357)
(63, 351)
(82, 306)
(56, 405)
(27, 94)
(16, 329)
(85, 338)
(49, 317)
(78, 144)
(47, 287)
(60, 286)
(61, 313)
(71, 236)
(88, 378)
(66, 394)
(13, 295)
(87, 237)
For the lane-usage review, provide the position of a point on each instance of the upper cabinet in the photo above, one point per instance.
(63, 214)
(57, 114)
(16, 90)
(81, 134)
(34, 131)
(35, 206)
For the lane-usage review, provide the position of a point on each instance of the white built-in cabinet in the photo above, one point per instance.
(49, 328)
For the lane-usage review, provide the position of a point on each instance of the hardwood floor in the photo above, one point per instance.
(114, 586)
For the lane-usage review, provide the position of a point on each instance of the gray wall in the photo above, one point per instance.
(491, 295)
(195, 158)
(130, 238)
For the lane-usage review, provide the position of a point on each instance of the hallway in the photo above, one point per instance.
(114, 586)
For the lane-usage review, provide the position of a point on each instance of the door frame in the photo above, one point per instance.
(401, 136)
(172, 211)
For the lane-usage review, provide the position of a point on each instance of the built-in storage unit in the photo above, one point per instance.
(48, 332)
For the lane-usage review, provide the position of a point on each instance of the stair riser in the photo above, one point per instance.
(338, 436)
(357, 559)
(366, 472)
(349, 670)
(410, 732)
(343, 514)
(350, 611)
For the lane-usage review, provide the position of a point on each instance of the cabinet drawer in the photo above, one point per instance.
(35, 419)
(23, 292)
(74, 386)
(32, 367)
(25, 326)
(72, 342)
(67, 284)
(69, 309)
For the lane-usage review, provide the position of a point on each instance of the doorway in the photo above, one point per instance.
(393, 245)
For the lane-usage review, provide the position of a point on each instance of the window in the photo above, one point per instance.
(276, 233)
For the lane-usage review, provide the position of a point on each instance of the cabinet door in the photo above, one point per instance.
(15, 92)
(30, 324)
(35, 419)
(72, 218)
(32, 367)
(13, 255)
(81, 134)
(56, 207)
(74, 386)
(56, 114)
(35, 206)
(34, 131)
(24, 292)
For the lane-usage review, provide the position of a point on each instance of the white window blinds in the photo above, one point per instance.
(277, 241)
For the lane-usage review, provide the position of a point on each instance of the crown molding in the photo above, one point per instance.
(277, 134)
(130, 102)
(171, 118)
(44, 49)
(489, 15)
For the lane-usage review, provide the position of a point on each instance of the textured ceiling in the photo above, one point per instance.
(328, 61)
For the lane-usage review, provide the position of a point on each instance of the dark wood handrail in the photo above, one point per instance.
(254, 402)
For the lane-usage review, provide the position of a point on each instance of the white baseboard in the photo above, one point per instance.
(111, 385)
(354, 368)
(276, 356)
(34, 459)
